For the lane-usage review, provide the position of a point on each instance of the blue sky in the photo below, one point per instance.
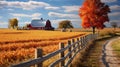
(54, 10)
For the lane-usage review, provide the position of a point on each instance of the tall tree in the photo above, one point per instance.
(13, 23)
(94, 14)
(65, 24)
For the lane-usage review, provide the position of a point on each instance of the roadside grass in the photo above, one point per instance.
(116, 47)
(92, 55)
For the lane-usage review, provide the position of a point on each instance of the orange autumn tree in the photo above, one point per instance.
(94, 14)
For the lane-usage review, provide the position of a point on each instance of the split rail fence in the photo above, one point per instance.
(72, 47)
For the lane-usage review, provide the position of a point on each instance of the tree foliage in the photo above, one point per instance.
(114, 25)
(13, 23)
(94, 14)
(65, 24)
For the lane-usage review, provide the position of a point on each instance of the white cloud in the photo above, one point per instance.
(60, 15)
(0, 17)
(27, 22)
(109, 1)
(115, 7)
(75, 22)
(34, 15)
(3, 24)
(72, 20)
(18, 18)
(52, 8)
(71, 8)
(11, 9)
(118, 21)
(2, 0)
(114, 14)
(54, 0)
(24, 5)
(20, 15)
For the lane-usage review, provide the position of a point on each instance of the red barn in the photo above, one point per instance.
(40, 24)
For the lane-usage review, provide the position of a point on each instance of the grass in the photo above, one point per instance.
(116, 47)
(91, 56)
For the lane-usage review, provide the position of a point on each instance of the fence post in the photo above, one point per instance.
(78, 44)
(81, 42)
(91, 37)
(83, 39)
(73, 41)
(38, 54)
(69, 50)
(86, 40)
(88, 37)
(61, 46)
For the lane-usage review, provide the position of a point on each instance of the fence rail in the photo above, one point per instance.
(72, 47)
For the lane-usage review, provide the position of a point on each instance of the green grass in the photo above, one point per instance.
(116, 47)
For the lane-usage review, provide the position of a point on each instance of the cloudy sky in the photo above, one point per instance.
(55, 10)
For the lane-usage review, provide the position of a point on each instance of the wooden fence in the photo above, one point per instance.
(72, 47)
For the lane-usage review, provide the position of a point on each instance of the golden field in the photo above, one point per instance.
(19, 45)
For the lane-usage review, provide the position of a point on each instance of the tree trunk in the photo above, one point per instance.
(93, 29)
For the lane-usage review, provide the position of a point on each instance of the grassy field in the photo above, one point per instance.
(19, 45)
(116, 47)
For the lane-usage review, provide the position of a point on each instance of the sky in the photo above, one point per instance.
(54, 10)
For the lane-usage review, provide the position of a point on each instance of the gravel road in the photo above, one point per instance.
(109, 59)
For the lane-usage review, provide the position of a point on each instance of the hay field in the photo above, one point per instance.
(19, 45)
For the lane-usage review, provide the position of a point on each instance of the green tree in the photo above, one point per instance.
(13, 23)
(65, 24)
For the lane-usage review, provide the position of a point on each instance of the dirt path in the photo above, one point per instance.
(100, 54)
(109, 58)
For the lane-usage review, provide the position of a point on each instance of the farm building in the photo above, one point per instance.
(40, 24)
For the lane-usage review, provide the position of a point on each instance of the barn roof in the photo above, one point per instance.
(38, 23)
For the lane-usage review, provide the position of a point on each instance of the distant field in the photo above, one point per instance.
(116, 47)
(19, 45)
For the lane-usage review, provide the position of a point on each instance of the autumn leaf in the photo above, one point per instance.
(94, 13)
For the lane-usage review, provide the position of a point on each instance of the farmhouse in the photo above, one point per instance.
(40, 24)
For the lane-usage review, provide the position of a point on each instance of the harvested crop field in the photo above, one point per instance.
(19, 45)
